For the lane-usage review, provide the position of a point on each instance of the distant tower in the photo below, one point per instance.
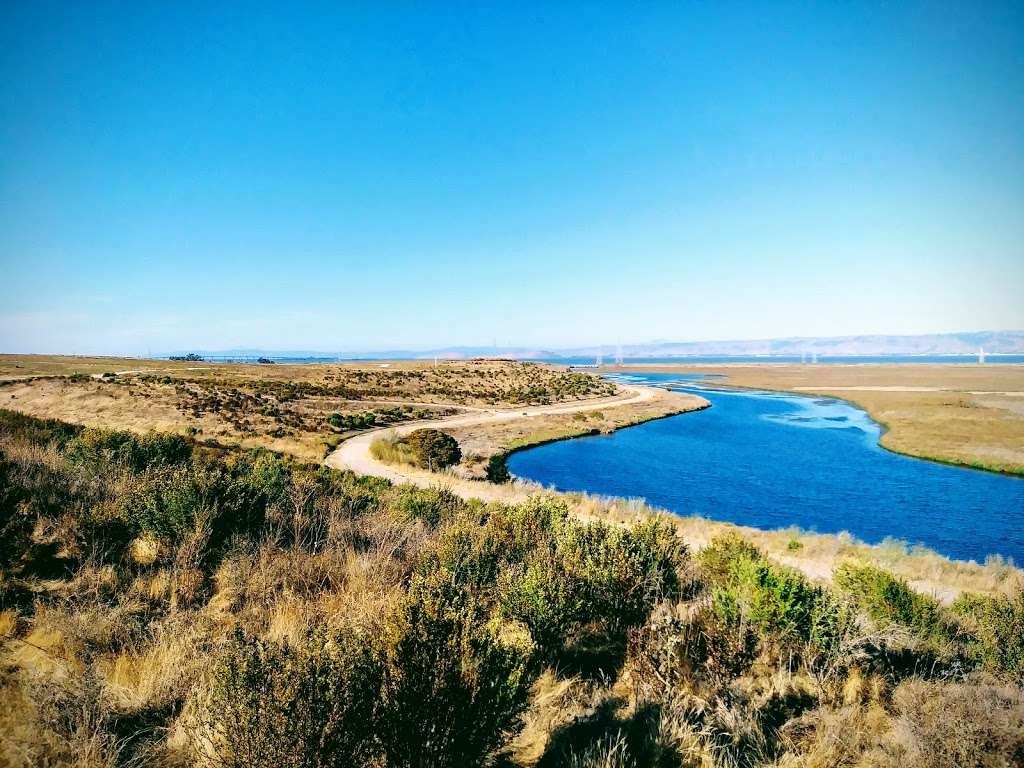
(981, 355)
(814, 358)
(618, 355)
(803, 358)
(600, 360)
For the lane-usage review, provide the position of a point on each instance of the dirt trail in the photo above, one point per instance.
(354, 453)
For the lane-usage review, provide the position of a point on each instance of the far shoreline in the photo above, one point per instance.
(917, 420)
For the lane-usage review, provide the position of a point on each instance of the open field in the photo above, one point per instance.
(303, 410)
(961, 414)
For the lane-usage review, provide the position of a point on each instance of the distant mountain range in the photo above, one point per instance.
(993, 342)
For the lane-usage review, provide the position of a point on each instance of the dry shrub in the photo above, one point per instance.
(611, 751)
(145, 550)
(389, 449)
(162, 671)
(57, 723)
(46, 650)
(309, 705)
(926, 725)
(290, 621)
(555, 703)
(834, 738)
(8, 623)
(940, 725)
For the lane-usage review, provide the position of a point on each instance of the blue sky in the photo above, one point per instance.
(345, 176)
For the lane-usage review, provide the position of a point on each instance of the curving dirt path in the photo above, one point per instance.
(354, 453)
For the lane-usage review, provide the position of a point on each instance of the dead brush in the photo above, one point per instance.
(160, 669)
(556, 702)
(75, 722)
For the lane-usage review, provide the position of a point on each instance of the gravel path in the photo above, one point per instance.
(354, 453)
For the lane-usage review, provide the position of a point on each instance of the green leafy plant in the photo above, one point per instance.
(890, 600)
(997, 622)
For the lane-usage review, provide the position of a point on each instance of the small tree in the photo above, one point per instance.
(433, 449)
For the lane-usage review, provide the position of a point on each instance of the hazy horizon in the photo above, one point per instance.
(965, 343)
(410, 176)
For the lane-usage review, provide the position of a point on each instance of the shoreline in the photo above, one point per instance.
(893, 405)
(354, 453)
(815, 554)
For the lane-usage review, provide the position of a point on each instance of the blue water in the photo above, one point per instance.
(774, 460)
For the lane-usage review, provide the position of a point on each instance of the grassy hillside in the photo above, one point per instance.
(164, 603)
(302, 410)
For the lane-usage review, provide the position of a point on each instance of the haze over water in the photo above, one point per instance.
(774, 460)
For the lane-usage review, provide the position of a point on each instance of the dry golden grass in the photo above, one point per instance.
(8, 623)
(962, 414)
(109, 646)
(281, 407)
(389, 450)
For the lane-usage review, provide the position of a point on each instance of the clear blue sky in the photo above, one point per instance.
(340, 176)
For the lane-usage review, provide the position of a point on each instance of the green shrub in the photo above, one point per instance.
(998, 625)
(538, 520)
(233, 495)
(887, 599)
(670, 652)
(281, 706)
(454, 683)
(592, 574)
(776, 600)
(779, 602)
(16, 516)
(33, 431)
(96, 447)
(624, 572)
(497, 469)
(474, 548)
(362, 420)
(716, 560)
(431, 505)
(433, 449)
(166, 502)
(540, 595)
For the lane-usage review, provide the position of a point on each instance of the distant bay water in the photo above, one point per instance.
(772, 460)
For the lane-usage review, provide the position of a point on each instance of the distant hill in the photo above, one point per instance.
(967, 343)
(993, 342)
